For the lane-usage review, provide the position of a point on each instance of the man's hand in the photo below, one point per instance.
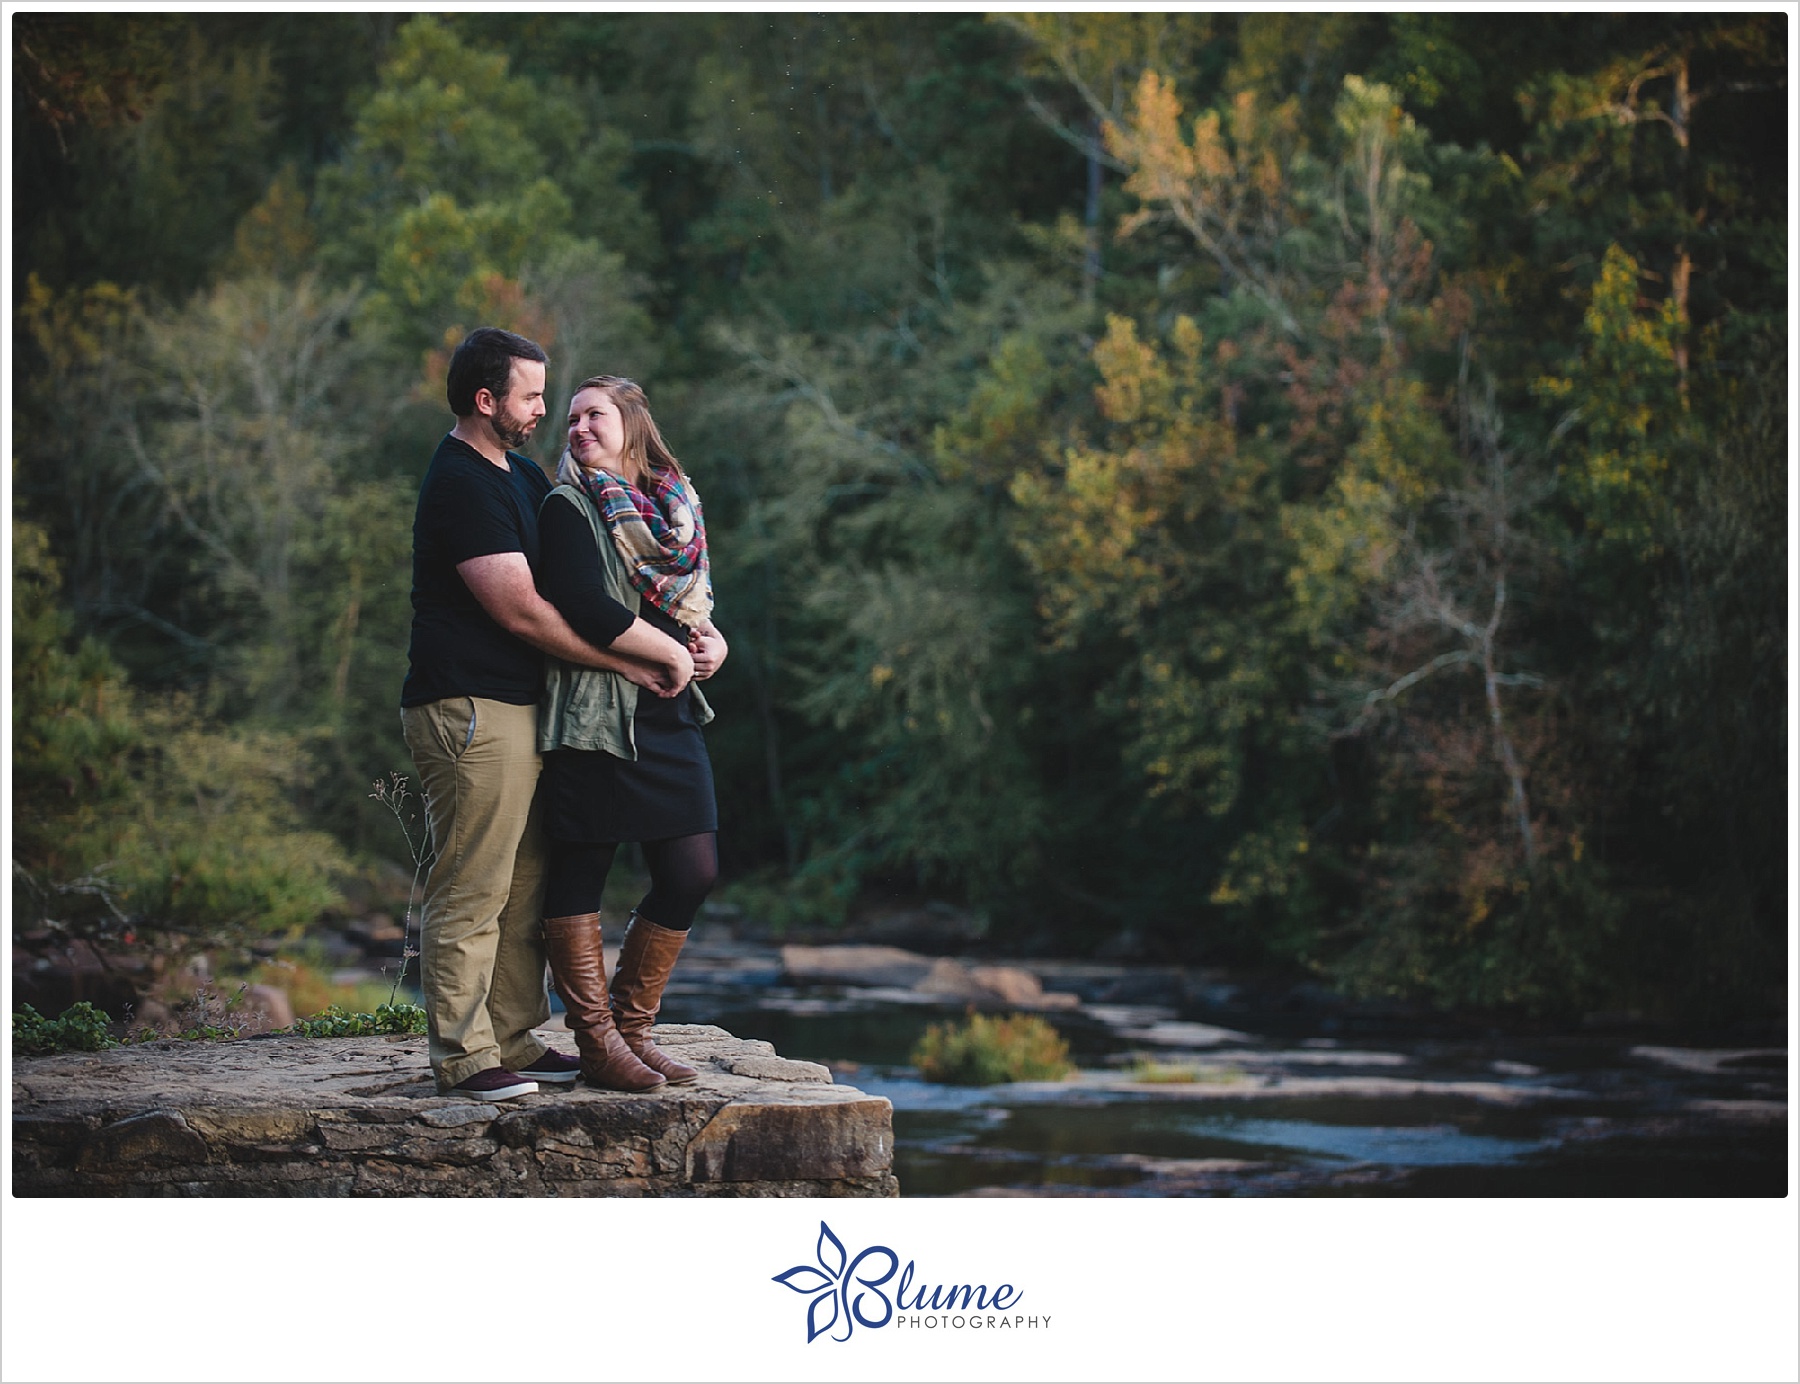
(708, 648)
(661, 678)
(651, 659)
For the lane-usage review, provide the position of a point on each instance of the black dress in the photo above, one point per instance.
(590, 795)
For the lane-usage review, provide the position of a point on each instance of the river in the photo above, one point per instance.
(1231, 1089)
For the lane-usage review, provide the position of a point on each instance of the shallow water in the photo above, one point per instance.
(1278, 1102)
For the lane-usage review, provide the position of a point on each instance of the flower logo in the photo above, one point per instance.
(833, 1286)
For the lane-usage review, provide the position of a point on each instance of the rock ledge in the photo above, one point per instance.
(361, 1117)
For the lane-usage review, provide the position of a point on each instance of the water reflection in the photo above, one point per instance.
(1398, 1145)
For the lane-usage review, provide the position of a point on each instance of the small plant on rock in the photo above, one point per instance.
(79, 1028)
(209, 1018)
(333, 1022)
(986, 1050)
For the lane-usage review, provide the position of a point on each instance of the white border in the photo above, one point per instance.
(671, 1290)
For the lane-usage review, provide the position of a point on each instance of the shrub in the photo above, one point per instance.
(79, 1028)
(986, 1050)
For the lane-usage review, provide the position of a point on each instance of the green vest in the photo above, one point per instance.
(590, 708)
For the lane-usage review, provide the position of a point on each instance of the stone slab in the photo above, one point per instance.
(283, 1116)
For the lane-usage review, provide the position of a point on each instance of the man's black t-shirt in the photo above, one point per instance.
(468, 507)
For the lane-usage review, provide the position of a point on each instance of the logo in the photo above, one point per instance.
(849, 1291)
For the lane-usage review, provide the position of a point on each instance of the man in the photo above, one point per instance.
(469, 712)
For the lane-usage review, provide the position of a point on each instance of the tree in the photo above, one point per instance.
(1296, 489)
(139, 827)
(241, 435)
(155, 176)
(446, 192)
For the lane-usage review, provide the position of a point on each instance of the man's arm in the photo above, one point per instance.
(502, 583)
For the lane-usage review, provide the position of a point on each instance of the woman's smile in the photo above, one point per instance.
(596, 431)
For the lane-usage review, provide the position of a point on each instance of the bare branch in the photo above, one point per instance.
(1387, 694)
(1089, 147)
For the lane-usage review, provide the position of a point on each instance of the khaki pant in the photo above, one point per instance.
(481, 943)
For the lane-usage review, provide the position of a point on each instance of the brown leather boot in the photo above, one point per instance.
(646, 957)
(578, 967)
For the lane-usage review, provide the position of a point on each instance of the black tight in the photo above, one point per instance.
(683, 870)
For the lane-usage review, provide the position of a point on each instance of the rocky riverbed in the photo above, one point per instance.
(1195, 1082)
(1200, 1082)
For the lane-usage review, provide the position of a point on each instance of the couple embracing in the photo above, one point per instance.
(552, 713)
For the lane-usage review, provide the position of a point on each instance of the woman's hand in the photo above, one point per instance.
(708, 648)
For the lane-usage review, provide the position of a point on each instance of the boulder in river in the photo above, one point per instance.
(991, 986)
(854, 965)
(940, 977)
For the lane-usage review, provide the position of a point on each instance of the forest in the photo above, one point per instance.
(1297, 492)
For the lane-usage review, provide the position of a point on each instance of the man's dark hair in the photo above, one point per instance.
(484, 361)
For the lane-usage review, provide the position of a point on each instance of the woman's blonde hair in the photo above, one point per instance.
(643, 440)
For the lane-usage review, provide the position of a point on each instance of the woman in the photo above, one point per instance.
(623, 545)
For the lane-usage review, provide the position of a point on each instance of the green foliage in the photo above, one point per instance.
(1346, 534)
(458, 176)
(1627, 408)
(819, 894)
(985, 1050)
(165, 162)
(334, 1022)
(135, 817)
(79, 1028)
(1147, 1069)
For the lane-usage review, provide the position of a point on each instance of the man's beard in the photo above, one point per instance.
(515, 432)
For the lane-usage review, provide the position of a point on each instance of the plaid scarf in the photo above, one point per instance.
(661, 538)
